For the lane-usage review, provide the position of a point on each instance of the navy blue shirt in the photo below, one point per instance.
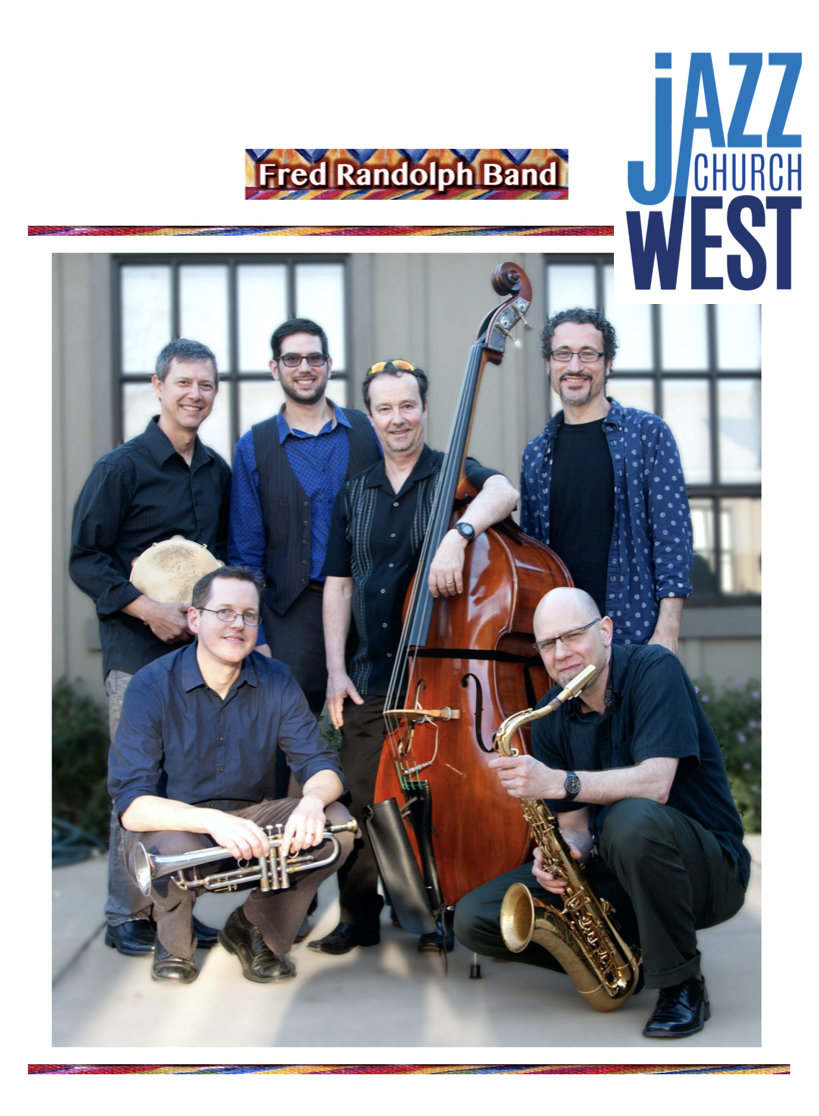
(319, 463)
(654, 712)
(179, 739)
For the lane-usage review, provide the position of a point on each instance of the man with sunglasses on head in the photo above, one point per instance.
(192, 767)
(287, 472)
(633, 772)
(379, 523)
(602, 485)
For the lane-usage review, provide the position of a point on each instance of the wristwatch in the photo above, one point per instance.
(466, 531)
(571, 785)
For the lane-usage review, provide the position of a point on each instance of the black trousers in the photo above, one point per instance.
(297, 639)
(665, 875)
(363, 739)
(278, 914)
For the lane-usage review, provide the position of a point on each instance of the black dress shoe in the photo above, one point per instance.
(133, 939)
(437, 940)
(681, 1010)
(173, 970)
(206, 936)
(345, 937)
(259, 962)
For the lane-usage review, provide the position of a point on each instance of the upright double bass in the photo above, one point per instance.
(466, 663)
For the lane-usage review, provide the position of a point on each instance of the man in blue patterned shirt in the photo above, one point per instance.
(603, 486)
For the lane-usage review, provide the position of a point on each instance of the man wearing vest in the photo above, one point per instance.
(286, 474)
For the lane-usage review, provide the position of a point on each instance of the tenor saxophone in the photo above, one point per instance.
(582, 937)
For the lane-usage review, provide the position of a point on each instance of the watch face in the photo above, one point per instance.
(465, 529)
(572, 784)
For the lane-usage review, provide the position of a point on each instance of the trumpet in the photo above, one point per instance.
(272, 872)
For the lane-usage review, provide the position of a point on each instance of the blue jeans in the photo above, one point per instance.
(125, 902)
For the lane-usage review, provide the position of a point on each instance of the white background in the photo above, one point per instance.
(139, 115)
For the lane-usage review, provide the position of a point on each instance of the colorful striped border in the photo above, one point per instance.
(406, 174)
(321, 230)
(597, 1069)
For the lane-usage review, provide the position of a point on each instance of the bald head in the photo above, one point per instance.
(563, 609)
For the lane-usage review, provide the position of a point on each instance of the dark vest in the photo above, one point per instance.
(286, 508)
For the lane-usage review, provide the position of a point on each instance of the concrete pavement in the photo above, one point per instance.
(384, 996)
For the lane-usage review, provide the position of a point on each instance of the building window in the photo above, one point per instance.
(699, 367)
(232, 304)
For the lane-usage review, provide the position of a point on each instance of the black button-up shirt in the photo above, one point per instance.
(178, 739)
(141, 493)
(376, 536)
(654, 712)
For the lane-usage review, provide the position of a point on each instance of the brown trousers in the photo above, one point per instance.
(277, 914)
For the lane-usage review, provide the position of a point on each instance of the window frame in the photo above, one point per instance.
(233, 379)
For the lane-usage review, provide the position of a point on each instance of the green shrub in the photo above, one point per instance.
(735, 714)
(79, 743)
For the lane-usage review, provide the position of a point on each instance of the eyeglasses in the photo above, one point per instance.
(400, 365)
(564, 356)
(293, 360)
(568, 639)
(228, 615)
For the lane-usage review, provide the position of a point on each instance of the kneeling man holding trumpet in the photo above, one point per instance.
(191, 772)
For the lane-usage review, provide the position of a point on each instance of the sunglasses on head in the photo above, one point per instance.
(390, 365)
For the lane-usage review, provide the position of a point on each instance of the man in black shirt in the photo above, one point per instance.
(379, 521)
(162, 483)
(634, 774)
(602, 485)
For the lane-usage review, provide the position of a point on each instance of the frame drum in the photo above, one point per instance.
(167, 571)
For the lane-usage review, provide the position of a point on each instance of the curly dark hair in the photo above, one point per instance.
(581, 317)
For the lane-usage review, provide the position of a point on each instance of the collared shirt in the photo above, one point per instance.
(375, 538)
(650, 553)
(179, 739)
(138, 494)
(319, 462)
(653, 712)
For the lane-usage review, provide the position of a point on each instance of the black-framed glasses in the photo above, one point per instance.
(293, 360)
(389, 365)
(568, 639)
(228, 615)
(564, 356)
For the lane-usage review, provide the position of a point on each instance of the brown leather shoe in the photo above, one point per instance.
(259, 962)
(172, 970)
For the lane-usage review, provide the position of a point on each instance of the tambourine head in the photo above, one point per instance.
(167, 571)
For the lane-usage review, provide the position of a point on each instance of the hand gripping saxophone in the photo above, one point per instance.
(581, 936)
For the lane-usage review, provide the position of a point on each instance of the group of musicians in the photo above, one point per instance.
(214, 701)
